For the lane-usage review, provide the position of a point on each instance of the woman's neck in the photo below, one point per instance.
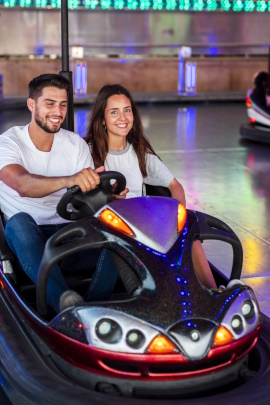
(117, 144)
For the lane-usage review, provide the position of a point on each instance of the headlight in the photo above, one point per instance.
(108, 330)
(237, 324)
(135, 338)
(248, 309)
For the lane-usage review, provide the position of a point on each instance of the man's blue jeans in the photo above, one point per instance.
(27, 241)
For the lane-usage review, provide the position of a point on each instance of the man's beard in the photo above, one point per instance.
(44, 126)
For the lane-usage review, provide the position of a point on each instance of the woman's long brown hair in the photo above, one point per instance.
(97, 137)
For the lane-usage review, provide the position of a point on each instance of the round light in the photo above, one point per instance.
(135, 339)
(104, 328)
(108, 330)
(195, 335)
(247, 309)
(237, 324)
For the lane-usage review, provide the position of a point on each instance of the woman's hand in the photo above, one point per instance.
(122, 195)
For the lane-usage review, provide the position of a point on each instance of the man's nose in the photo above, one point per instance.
(57, 109)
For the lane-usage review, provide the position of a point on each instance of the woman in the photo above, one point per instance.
(116, 141)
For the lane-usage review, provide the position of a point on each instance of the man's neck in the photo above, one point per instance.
(42, 140)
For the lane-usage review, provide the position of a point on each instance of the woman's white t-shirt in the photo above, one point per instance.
(126, 162)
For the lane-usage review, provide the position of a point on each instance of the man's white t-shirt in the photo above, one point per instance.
(126, 162)
(69, 154)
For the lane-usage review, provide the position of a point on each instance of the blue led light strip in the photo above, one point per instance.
(248, 6)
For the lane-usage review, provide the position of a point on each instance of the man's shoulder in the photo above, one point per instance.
(68, 134)
(13, 131)
(73, 137)
(13, 136)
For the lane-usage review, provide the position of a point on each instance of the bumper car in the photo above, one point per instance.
(258, 128)
(161, 335)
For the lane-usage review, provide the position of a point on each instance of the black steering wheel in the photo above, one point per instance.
(87, 204)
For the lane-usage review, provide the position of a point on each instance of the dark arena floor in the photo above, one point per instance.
(222, 175)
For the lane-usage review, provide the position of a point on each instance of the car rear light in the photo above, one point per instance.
(181, 217)
(222, 337)
(252, 120)
(114, 221)
(161, 345)
(248, 102)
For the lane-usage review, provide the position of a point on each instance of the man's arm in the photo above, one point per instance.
(31, 185)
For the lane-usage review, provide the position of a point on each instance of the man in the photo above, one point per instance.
(37, 163)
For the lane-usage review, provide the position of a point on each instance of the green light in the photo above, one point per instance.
(211, 5)
(261, 6)
(198, 5)
(105, 4)
(170, 4)
(132, 4)
(238, 5)
(184, 5)
(145, 5)
(73, 4)
(249, 5)
(91, 4)
(119, 4)
(158, 5)
(225, 5)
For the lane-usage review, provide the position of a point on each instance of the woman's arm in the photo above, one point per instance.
(177, 191)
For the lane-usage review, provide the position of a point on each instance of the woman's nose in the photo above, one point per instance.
(122, 115)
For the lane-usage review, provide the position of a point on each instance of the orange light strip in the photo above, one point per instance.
(222, 337)
(181, 217)
(114, 221)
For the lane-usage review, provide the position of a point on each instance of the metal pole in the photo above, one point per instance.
(69, 121)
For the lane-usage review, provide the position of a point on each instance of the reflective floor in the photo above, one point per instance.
(221, 175)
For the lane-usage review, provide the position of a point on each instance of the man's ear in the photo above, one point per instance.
(31, 104)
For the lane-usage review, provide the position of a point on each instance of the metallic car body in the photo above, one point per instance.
(169, 301)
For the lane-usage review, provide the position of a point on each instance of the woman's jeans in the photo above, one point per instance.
(27, 241)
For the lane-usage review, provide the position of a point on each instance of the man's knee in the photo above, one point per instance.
(18, 223)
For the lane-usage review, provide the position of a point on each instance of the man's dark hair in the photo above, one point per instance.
(37, 84)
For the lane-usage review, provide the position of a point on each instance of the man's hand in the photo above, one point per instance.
(86, 179)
